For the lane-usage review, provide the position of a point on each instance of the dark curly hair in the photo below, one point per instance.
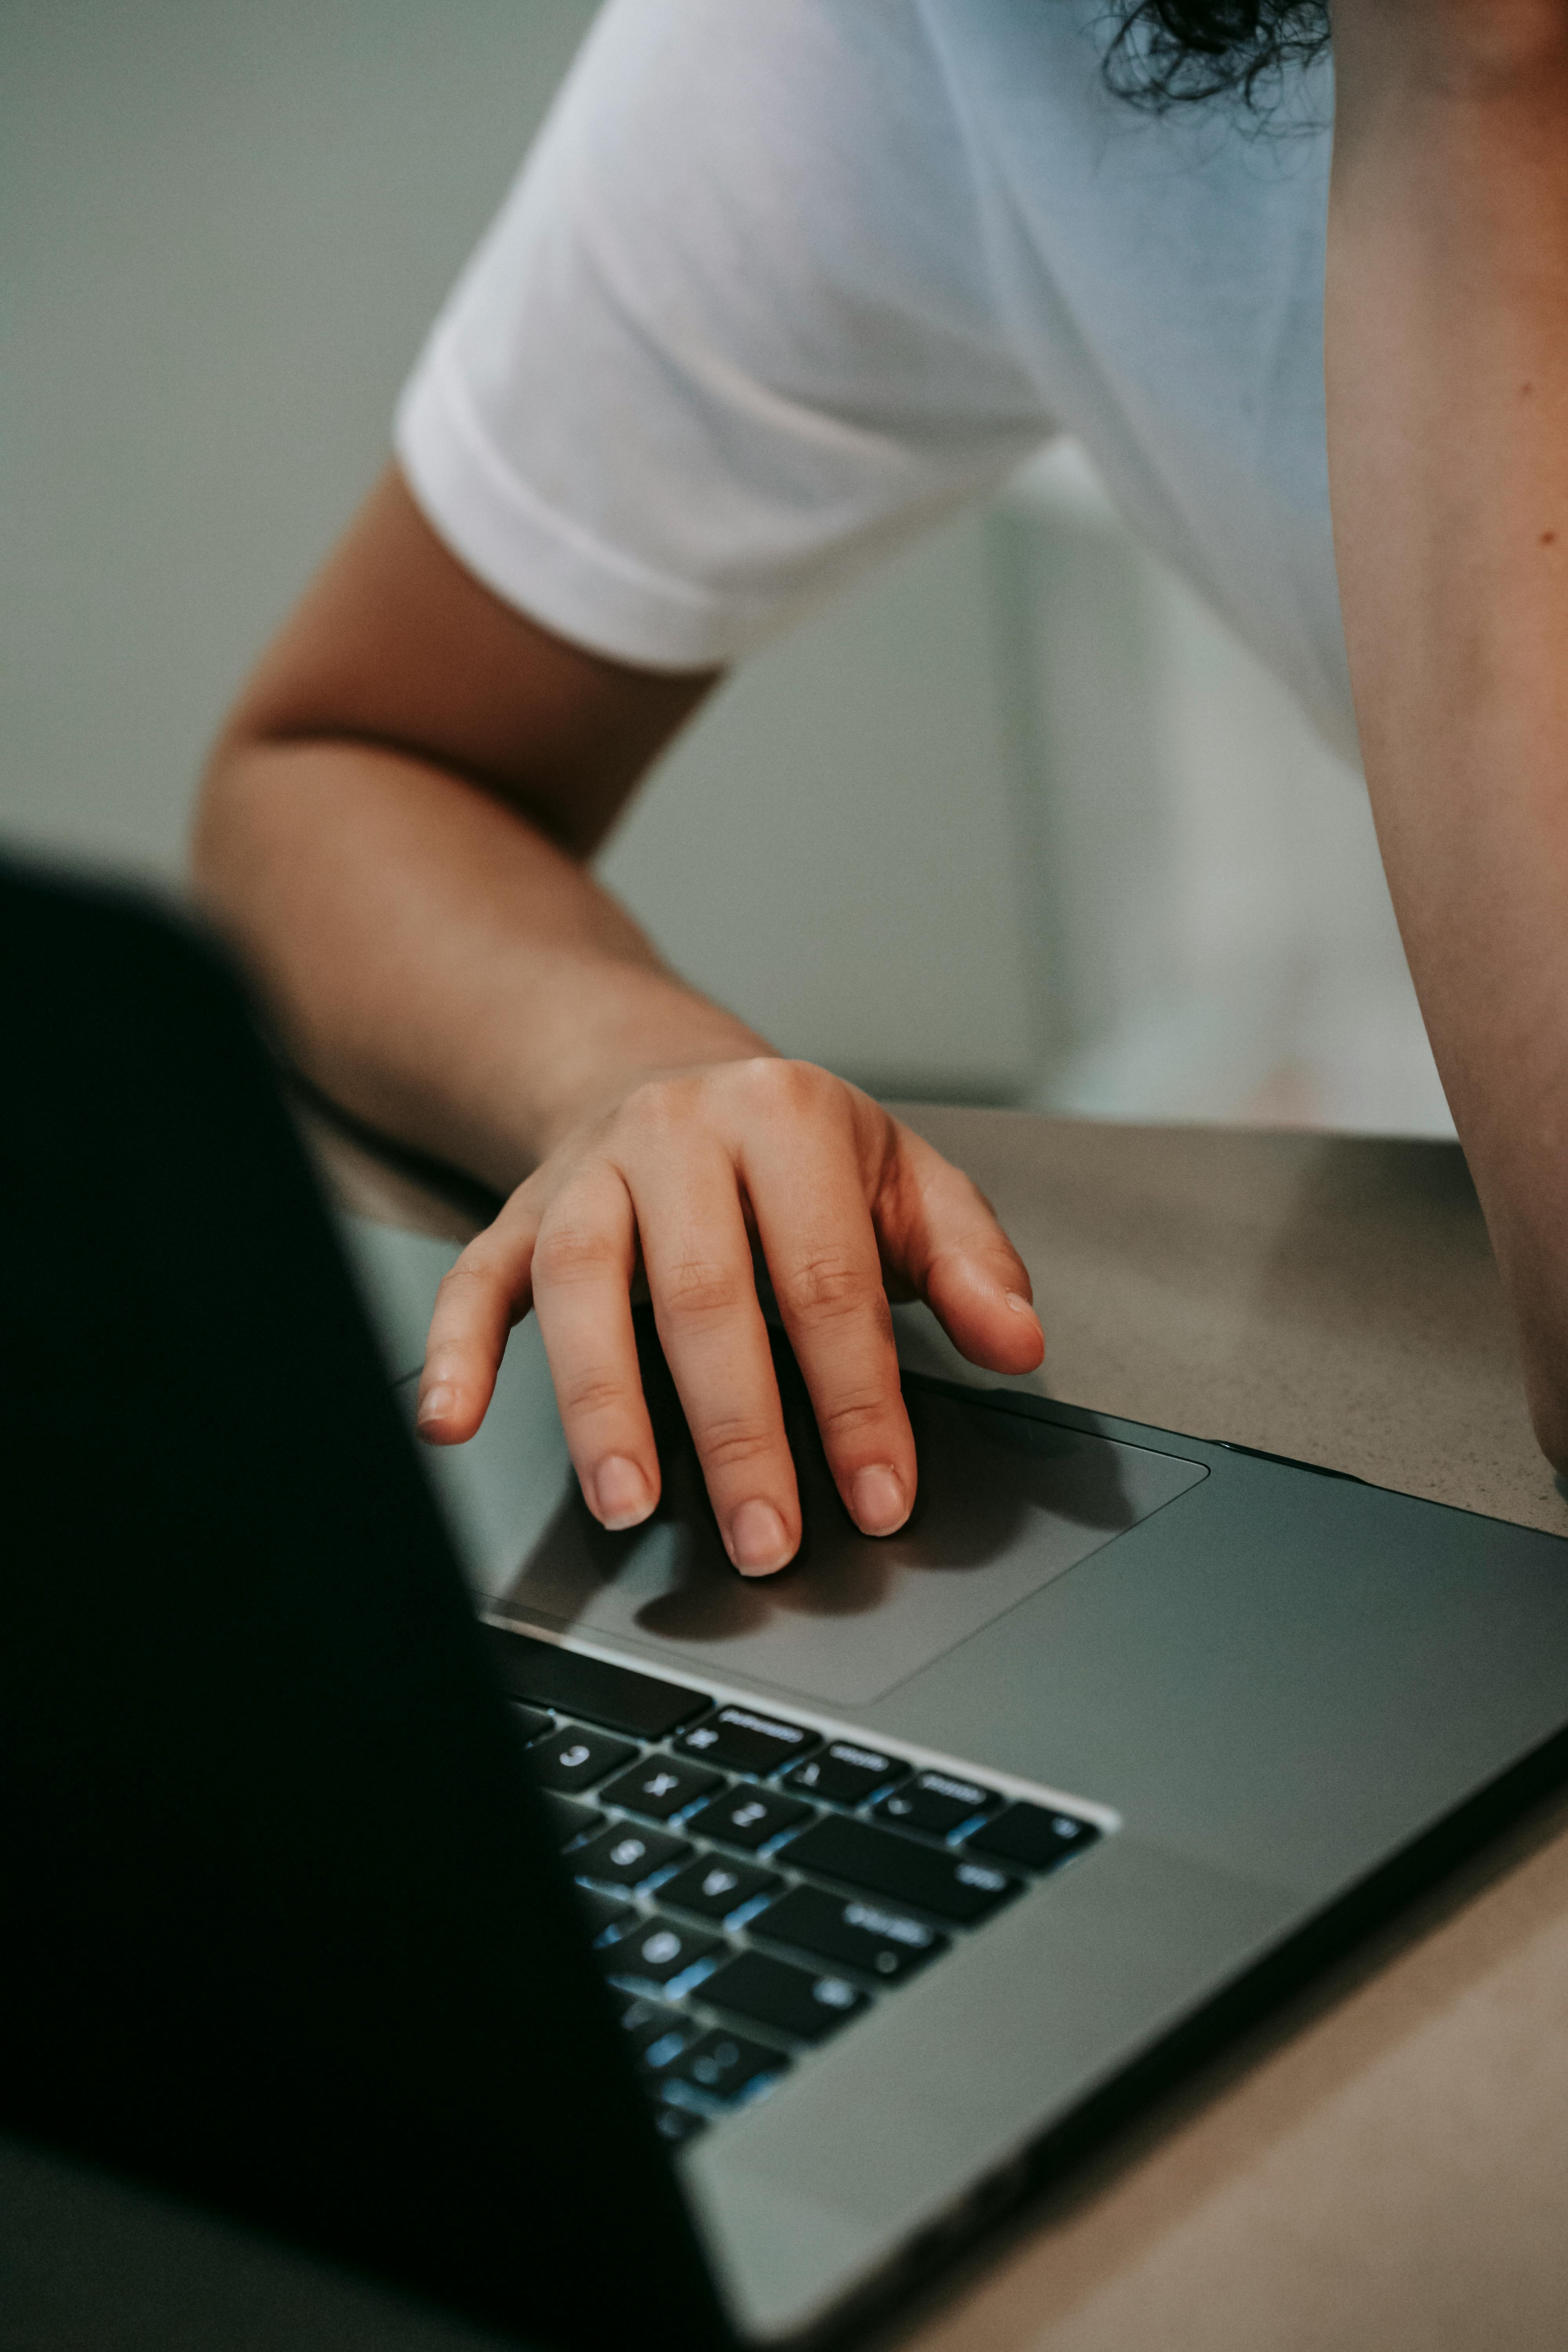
(1164, 52)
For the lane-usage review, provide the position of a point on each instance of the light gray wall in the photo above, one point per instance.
(225, 228)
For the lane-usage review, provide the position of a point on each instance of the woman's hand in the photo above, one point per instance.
(395, 830)
(677, 1181)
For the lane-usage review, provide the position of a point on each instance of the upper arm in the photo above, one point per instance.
(395, 643)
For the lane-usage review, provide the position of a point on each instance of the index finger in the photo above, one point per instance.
(480, 1298)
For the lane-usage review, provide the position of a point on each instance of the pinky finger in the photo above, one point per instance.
(489, 1288)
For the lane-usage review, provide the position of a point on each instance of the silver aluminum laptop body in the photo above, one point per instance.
(1262, 1685)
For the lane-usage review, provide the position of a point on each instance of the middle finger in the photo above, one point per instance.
(821, 1249)
(698, 1260)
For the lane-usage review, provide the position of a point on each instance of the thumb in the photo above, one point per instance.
(488, 1290)
(941, 1233)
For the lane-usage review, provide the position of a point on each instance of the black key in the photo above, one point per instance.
(622, 1856)
(749, 1817)
(570, 1819)
(605, 1912)
(936, 1802)
(658, 2034)
(532, 1721)
(645, 2022)
(790, 1999)
(726, 2066)
(857, 1935)
(714, 1888)
(678, 2123)
(743, 1741)
(659, 1950)
(571, 1759)
(661, 1786)
(845, 1774)
(592, 1687)
(949, 1885)
(1029, 1835)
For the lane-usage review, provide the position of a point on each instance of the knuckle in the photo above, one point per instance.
(824, 1287)
(471, 1277)
(849, 1417)
(779, 1087)
(696, 1290)
(568, 1252)
(805, 1087)
(736, 1442)
(658, 1106)
(591, 1395)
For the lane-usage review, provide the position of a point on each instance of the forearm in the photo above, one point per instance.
(437, 965)
(1446, 351)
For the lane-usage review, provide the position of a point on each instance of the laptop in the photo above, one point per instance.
(592, 1945)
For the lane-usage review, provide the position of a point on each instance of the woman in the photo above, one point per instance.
(779, 284)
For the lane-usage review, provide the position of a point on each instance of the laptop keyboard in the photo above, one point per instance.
(753, 1886)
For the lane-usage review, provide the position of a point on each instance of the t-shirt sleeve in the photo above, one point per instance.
(730, 337)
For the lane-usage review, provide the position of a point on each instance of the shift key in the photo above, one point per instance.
(933, 1879)
(845, 1928)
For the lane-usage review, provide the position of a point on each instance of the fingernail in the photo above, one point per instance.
(436, 1403)
(1020, 1305)
(757, 1539)
(877, 1500)
(621, 1493)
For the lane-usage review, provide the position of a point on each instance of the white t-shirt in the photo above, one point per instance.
(781, 280)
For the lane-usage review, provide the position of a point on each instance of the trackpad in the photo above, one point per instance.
(1006, 1504)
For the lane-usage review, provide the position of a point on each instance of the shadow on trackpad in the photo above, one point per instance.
(1005, 1505)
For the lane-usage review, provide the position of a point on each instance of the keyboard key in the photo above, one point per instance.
(726, 2066)
(678, 2123)
(532, 1721)
(936, 1802)
(743, 1741)
(622, 1856)
(947, 1885)
(573, 1760)
(856, 1934)
(714, 1888)
(660, 2055)
(659, 2038)
(845, 1774)
(792, 2001)
(658, 2034)
(569, 1819)
(659, 1950)
(661, 1786)
(592, 1687)
(1031, 1834)
(605, 1912)
(749, 1817)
